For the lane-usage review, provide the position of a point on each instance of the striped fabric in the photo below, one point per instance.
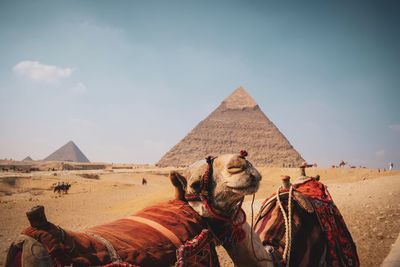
(319, 235)
(133, 241)
(308, 244)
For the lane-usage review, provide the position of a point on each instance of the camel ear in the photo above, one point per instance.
(180, 183)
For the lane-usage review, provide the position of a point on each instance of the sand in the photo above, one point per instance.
(368, 200)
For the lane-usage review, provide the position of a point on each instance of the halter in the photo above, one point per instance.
(205, 196)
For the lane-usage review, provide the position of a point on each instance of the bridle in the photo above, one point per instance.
(205, 195)
(232, 231)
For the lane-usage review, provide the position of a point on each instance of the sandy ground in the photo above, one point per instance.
(368, 200)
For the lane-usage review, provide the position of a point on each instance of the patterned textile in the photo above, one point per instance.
(119, 264)
(135, 243)
(319, 236)
(341, 248)
(198, 251)
(307, 244)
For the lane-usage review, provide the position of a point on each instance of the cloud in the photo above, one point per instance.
(395, 127)
(37, 71)
(79, 89)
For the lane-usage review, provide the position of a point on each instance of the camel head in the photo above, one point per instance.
(232, 178)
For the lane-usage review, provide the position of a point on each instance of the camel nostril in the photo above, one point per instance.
(254, 179)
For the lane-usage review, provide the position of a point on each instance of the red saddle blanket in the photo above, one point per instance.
(341, 250)
(133, 242)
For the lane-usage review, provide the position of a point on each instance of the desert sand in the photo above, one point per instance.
(367, 199)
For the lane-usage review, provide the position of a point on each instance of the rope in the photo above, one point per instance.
(288, 225)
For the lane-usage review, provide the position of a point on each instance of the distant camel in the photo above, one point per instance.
(62, 188)
(342, 164)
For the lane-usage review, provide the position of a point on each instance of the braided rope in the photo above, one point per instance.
(288, 225)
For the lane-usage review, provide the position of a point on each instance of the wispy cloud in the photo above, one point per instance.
(79, 89)
(395, 127)
(37, 71)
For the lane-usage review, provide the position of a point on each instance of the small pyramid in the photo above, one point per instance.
(237, 124)
(68, 152)
(28, 158)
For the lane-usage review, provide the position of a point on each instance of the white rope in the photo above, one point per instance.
(288, 225)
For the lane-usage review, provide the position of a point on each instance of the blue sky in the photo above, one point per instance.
(126, 80)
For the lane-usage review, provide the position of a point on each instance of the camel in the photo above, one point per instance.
(64, 187)
(342, 163)
(206, 212)
(301, 226)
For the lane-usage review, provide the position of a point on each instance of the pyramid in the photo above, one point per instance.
(68, 152)
(237, 124)
(28, 158)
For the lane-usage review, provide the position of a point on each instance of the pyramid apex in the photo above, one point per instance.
(239, 99)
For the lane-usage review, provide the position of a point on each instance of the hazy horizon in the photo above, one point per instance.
(128, 80)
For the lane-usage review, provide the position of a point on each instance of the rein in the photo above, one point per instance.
(287, 217)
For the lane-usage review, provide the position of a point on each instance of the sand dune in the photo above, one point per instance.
(368, 200)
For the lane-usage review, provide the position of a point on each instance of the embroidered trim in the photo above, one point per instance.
(110, 249)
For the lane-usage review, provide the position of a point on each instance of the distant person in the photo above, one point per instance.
(144, 181)
(390, 166)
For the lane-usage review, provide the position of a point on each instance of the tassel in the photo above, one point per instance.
(243, 154)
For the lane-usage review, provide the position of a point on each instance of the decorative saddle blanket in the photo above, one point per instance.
(313, 197)
(134, 241)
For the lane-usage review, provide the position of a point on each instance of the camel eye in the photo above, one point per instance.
(196, 186)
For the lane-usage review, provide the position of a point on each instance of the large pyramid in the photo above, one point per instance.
(68, 152)
(237, 124)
